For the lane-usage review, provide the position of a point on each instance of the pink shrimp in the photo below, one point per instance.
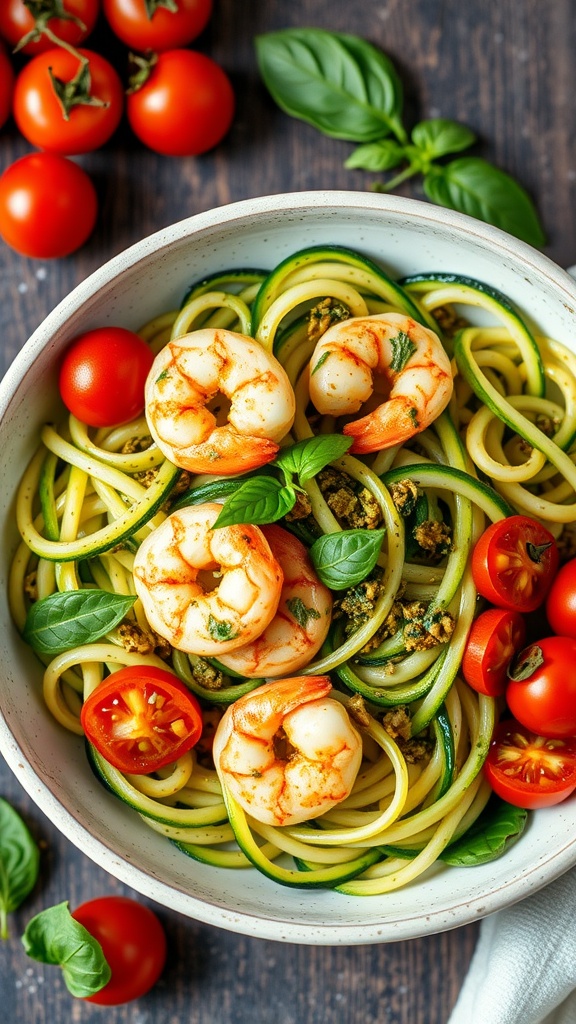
(409, 365)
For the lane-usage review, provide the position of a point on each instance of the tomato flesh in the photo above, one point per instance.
(561, 601)
(529, 770)
(514, 563)
(141, 718)
(495, 637)
(133, 942)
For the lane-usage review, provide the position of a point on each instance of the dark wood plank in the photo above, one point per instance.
(507, 71)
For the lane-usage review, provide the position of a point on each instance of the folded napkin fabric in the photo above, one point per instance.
(523, 970)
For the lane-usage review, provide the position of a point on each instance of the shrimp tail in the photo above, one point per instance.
(222, 454)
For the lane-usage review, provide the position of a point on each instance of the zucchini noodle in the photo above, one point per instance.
(504, 445)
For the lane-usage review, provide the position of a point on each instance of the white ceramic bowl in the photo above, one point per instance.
(405, 236)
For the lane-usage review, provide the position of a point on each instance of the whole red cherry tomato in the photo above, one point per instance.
(495, 637)
(561, 601)
(514, 563)
(133, 942)
(529, 770)
(185, 106)
(48, 206)
(6, 85)
(161, 29)
(541, 691)
(102, 376)
(17, 21)
(141, 718)
(40, 115)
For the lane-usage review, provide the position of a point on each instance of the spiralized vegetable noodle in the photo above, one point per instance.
(90, 498)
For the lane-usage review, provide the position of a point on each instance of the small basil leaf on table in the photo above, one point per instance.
(64, 620)
(473, 186)
(258, 501)
(376, 156)
(345, 558)
(54, 937)
(338, 83)
(308, 457)
(438, 136)
(19, 863)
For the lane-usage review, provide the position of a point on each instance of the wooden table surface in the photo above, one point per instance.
(507, 70)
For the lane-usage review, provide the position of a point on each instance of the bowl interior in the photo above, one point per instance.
(150, 278)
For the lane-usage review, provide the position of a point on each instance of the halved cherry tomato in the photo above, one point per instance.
(141, 718)
(103, 374)
(151, 25)
(561, 601)
(496, 635)
(529, 770)
(48, 206)
(133, 942)
(514, 563)
(541, 691)
(17, 21)
(90, 119)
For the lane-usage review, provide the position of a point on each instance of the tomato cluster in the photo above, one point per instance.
(67, 100)
(532, 757)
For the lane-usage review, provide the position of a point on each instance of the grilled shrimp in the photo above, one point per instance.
(357, 359)
(207, 591)
(217, 402)
(286, 751)
(302, 620)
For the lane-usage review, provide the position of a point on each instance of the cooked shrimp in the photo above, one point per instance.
(302, 620)
(207, 591)
(286, 751)
(410, 368)
(217, 402)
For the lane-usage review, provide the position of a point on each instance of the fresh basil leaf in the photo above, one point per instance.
(473, 186)
(377, 156)
(54, 937)
(499, 825)
(19, 863)
(340, 84)
(343, 559)
(438, 137)
(64, 620)
(308, 457)
(260, 500)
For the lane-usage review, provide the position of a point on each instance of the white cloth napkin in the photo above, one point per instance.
(523, 970)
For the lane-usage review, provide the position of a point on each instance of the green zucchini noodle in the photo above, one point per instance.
(505, 444)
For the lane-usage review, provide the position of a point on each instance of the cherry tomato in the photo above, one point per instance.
(38, 112)
(6, 86)
(133, 942)
(141, 718)
(161, 30)
(48, 206)
(561, 601)
(495, 637)
(184, 107)
(541, 691)
(16, 21)
(514, 563)
(529, 770)
(102, 376)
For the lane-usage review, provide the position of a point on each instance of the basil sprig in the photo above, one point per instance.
(348, 89)
(54, 937)
(343, 559)
(497, 828)
(264, 499)
(64, 620)
(19, 863)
